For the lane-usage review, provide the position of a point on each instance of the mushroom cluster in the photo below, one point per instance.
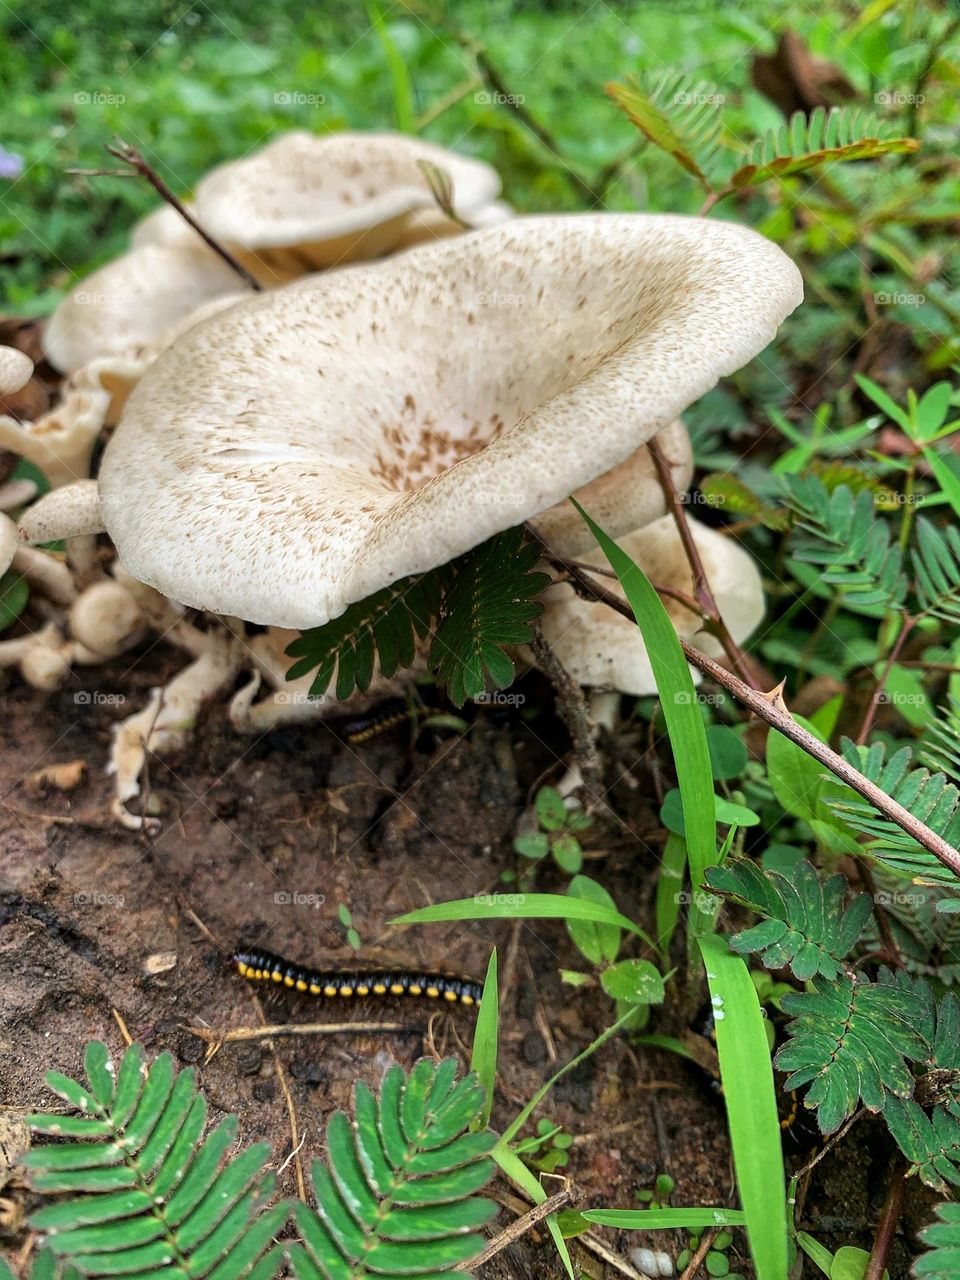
(280, 456)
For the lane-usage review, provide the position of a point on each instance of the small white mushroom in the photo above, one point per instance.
(397, 414)
(304, 202)
(17, 494)
(134, 301)
(43, 657)
(166, 723)
(106, 618)
(69, 512)
(602, 649)
(16, 370)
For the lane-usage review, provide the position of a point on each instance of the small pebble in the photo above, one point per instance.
(159, 962)
(306, 1068)
(249, 1059)
(652, 1262)
(265, 1090)
(534, 1049)
(190, 1049)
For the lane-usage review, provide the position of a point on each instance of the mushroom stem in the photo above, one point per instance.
(17, 493)
(771, 708)
(41, 569)
(574, 712)
(706, 604)
(45, 572)
(165, 724)
(131, 156)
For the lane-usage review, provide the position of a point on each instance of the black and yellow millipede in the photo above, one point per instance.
(332, 984)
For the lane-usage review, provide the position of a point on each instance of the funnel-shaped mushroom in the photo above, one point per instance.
(601, 648)
(305, 202)
(307, 447)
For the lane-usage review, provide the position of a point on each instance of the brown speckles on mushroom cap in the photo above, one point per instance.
(294, 454)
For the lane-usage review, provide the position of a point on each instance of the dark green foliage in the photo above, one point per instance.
(842, 535)
(941, 745)
(14, 594)
(942, 1261)
(43, 1267)
(931, 1142)
(384, 627)
(145, 1193)
(735, 498)
(823, 138)
(474, 606)
(928, 796)
(851, 1040)
(805, 926)
(398, 1194)
(491, 604)
(936, 567)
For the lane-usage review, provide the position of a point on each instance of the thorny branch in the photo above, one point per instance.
(562, 1200)
(771, 708)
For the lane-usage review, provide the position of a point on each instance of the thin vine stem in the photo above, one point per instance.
(702, 591)
(132, 157)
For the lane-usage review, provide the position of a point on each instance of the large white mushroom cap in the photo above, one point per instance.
(601, 648)
(304, 202)
(304, 449)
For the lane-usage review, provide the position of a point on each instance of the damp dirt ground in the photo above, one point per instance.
(262, 839)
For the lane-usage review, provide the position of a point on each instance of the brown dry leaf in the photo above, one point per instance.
(794, 79)
(159, 962)
(56, 777)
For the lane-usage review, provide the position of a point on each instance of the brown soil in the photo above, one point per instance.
(382, 828)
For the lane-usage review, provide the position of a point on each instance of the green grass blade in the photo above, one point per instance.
(657, 1219)
(514, 1168)
(747, 1075)
(403, 104)
(483, 1059)
(523, 906)
(510, 1133)
(685, 727)
(669, 889)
